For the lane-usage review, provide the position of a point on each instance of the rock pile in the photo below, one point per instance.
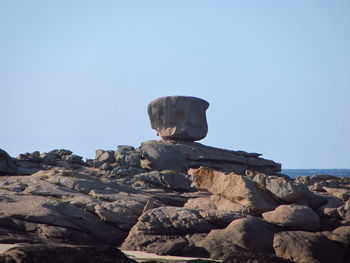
(169, 197)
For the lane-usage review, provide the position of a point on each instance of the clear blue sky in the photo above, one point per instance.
(79, 74)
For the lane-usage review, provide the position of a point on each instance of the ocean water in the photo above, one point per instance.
(293, 173)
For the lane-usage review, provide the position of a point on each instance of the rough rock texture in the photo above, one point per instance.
(147, 194)
(294, 216)
(181, 155)
(236, 188)
(7, 166)
(306, 247)
(59, 253)
(283, 188)
(252, 234)
(163, 230)
(179, 117)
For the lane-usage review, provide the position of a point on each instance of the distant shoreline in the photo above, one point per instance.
(293, 173)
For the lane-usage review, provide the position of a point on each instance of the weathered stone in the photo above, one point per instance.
(303, 179)
(73, 159)
(201, 203)
(60, 152)
(63, 253)
(237, 188)
(294, 216)
(312, 200)
(49, 158)
(286, 190)
(306, 247)
(127, 156)
(7, 166)
(342, 194)
(162, 156)
(251, 234)
(162, 230)
(344, 211)
(221, 219)
(176, 155)
(166, 179)
(179, 117)
(105, 156)
(330, 209)
(51, 219)
(217, 202)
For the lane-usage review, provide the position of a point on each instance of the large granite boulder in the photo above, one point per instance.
(179, 117)
(236, 188)
(294, 216)
(249, 234)
(306, 247)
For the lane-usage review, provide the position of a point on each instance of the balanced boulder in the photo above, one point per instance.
(179, 117)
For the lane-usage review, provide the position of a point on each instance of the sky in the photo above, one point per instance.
(79, 74)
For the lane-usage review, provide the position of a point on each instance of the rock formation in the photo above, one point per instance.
(179, 117)
(169, 197)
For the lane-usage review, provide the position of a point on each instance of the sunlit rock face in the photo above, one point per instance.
(179, 117)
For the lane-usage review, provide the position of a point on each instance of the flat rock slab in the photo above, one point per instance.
(181, 155)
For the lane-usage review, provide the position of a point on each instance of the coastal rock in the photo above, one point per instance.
(294, 216)
(330, 209)
(105, 156)
(181, 155)
(7, 166)
(286, 190)
(162, 231)
(342, 194)
(236, 188)
(312, 200)
(179, 117)
(248, 234)
(63, 253)
(54, 220)
(306, 247)
(128, 156)
(217, 202)
(344, 211)
(162, 156)
(166, 179)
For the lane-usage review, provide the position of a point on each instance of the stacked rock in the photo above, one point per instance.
(179, 117)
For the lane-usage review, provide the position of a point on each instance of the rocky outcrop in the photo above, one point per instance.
(181, 155)
(179, 117)
(7, 166)
(236, 188)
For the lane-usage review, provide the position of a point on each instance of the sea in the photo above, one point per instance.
(294, 173)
